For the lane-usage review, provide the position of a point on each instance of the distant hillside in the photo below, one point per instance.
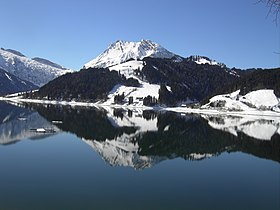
(188, 79)
(254, 79)
(85, 85)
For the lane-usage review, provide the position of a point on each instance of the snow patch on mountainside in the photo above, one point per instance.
(27, 69)
(122, 51)
(128, 68)
(9, 78)
(12, 84)
(259, 99)
(137, 93)
(204, 60)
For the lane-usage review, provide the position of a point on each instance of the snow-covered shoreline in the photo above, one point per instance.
(186, 110)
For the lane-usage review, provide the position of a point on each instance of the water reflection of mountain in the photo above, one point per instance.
(258, 127)
(16, 122)
(141, 139)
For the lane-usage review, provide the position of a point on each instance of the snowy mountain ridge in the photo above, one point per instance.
(38, 73)
(122, 51)
(49, 63)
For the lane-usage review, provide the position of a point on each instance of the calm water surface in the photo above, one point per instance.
(135, 159)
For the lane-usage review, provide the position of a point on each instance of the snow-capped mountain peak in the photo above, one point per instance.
(122, 51)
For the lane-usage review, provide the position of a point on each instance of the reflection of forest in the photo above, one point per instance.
(176, 135)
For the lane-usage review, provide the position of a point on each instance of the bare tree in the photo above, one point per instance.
(274, 8)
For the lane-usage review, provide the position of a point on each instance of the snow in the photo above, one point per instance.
(128, 68)
(42, 130)
(28, 69)
(260, 130)
(198, 156)
(260, 99)
(138, 93)
(9, 78)
(138, 103)
(122, 51)
(206, 61)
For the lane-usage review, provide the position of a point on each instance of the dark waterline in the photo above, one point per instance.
(64, 171)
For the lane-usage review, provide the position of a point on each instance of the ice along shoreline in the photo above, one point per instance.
(186, 110)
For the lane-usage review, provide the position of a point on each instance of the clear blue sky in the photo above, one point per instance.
(235, 32)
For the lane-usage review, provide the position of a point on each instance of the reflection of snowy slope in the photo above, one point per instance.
(259, 128)
(19, 128)
(123, 152)
(198, 156)
(135, 119)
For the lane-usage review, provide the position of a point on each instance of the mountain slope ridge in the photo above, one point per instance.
(12, 84)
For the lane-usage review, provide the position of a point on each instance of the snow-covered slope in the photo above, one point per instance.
(11, 84)
(259, 99)
(39, 73)
(122, 51)
(49, 63)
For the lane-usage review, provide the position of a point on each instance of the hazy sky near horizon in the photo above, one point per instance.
(72, 32)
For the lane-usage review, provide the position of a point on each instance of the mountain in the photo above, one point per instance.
(144, 73)
(148, 67)
(12, 84)
(38, 73)
(122, 51)
(14, 52)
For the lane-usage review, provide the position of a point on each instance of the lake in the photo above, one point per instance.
(105, 158)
